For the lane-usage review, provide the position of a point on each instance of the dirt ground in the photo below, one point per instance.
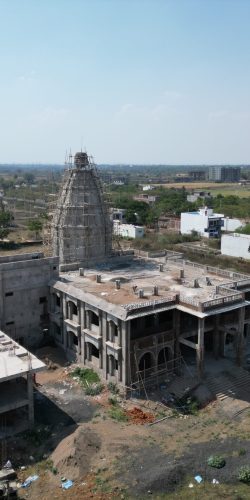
(76, 438)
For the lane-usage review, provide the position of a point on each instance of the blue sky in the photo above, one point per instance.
(137, 81)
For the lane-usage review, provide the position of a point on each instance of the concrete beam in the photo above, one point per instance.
(188, 343)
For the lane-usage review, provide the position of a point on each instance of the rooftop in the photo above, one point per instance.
(200, 288)
(15, 360)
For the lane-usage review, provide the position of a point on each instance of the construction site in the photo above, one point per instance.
(157, 328)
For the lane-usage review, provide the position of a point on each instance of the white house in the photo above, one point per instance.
(232, 224)
(147, 187)
(236, 245)
(204, 221)
(128, 230)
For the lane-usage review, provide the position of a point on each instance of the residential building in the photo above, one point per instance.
(236, 245)
(219, 173)
(128, 230)
(205, 222)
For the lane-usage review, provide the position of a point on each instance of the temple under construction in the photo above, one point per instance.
(81, 228)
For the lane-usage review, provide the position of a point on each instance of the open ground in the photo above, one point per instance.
(109, 455)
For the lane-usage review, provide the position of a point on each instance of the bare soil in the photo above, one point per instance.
(109, 459)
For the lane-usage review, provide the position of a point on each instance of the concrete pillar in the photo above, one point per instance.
(101, 343)
(216, 337)
(119, 333)
(105, 337)
(126, 353)
(88, 351)
(64, 331)
(240, 336)
(156, 320)
(200, 348)
(30, 398)
(177, 327)
(82, 335)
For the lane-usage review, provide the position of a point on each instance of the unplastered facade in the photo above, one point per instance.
(141, 320)
(81, 226)
(24, 296)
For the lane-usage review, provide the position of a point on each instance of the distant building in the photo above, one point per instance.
(232, 224)
(218, 173)
(169, 223)
(147, 187)
(193, 197)
(198, 175)
(204, 222)
(128, 230)
(118, 214)
(146, 198)
(236, 245)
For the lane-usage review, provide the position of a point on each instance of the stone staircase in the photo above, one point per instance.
(234, 385)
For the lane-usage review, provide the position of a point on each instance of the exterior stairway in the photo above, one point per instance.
(234, 385)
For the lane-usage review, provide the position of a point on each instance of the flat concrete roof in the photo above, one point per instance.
(139, 274)
(15, 360)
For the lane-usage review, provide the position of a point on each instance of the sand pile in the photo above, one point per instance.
(73, 455)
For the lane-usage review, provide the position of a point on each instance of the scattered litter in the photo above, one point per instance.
(8, 465)
(22, 467)
(190, 485)
(62, 391)
(83, 484)
(198, 479)
(215, 481)
(67, 484)
(29, 480)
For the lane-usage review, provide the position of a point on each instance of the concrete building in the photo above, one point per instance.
(146, 198)
(139, 322)
(218, 173)
(197, 175)
(231, 225)
(236, 245)
(128, 230)
(147, 187)
(195, 195)
(24, 297)
(169, 223)
(118, 214)
(205, 222)
(81, 227)
(17, 367)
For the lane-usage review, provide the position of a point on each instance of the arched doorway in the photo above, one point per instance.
(146, 362)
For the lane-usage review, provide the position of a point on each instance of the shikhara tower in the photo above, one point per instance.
(81, 228)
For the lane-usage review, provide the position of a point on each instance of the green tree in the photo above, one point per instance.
(5, 222)
(35, 225)
(29, 177)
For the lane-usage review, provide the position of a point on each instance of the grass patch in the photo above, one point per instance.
(117, 414)
(113, 401)
(216, 461)
(37, 436)
(112, 387)
(244, 474)
(242, 452)
(94, 389)
(88, 379)
(85, 375)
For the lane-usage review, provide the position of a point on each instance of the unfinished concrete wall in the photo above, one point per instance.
(81, 228)
(24, 295)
